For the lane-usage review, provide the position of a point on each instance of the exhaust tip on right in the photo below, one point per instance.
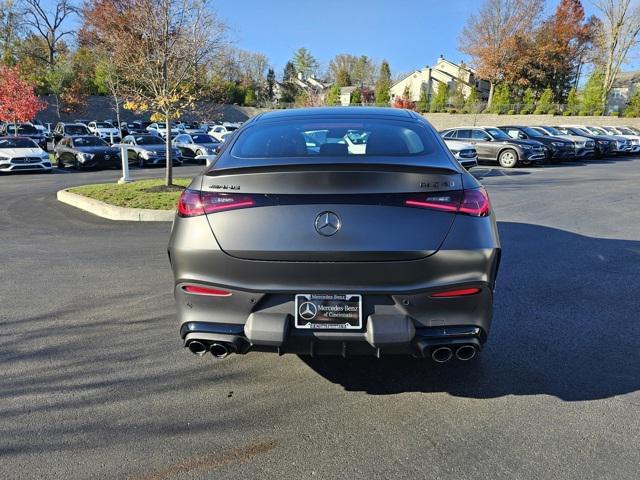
(442, 354)
(466, 352)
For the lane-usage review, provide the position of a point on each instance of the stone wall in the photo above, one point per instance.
(101, 108)
(449, 120)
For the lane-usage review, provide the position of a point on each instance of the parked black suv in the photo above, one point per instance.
(493, 144)
(67, 130)
(556, 149)
(24, 130)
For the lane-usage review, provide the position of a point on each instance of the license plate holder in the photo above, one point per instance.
(328, 311)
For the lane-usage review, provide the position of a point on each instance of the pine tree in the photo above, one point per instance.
(333, 96)
(592, 95)
(271, 82)
(342, 78)
(471, 103)
(545, 103)
(383, 85)
(289, 88)
(356, 97)
(439, 100)
(633, 106)
(573, 102)
(501, 99)
(528, 101)
(423, 102)
(304, 62)
(457, 98)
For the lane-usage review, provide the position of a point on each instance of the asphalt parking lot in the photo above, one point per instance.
(95, 382)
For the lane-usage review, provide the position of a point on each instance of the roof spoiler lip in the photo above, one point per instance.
(293, 167)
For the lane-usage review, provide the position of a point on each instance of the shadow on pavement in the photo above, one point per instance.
(565, 324)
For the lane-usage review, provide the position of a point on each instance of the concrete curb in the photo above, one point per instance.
(112, 212)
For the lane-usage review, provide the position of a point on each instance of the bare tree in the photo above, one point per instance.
(488, 34)
(50, 24)
(158, 47)
(617, 34)
(10, 26)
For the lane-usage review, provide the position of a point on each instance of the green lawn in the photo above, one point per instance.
(138, 194)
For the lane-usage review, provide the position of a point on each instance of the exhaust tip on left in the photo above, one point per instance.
(197, 348)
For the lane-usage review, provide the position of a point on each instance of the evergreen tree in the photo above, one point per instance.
(342, 78)
(289, 88)
(633, 106)
(249, 97)
(471, 104)
(271, 82)
(304, 62)
(383, 85)
(501, 99)
(528, 101)
(356, 97)
(592, 95)
(573, 102)
(439, 100)
(457, 98)
(423, 102)
(333, 96)
(545, 103)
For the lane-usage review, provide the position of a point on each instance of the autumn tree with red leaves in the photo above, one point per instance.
(404, 101)
(18, 101)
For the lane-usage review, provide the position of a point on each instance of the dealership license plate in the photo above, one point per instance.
(320, 311)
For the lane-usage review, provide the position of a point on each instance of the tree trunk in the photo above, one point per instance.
(169, 173)
(117, 104)
(491, 89)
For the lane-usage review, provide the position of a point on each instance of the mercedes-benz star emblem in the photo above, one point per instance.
(307, 310)
(327, 224)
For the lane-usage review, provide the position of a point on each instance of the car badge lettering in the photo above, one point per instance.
(225, 187)
(327, 224)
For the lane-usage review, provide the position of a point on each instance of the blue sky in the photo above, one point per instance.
(410, 34)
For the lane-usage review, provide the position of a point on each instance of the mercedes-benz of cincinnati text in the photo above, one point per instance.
(296, 241)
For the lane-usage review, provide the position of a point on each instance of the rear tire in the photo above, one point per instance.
(508, 158)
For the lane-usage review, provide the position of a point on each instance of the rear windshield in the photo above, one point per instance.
(23, 129)
(352, 139)
(203, 139)
(149, 140)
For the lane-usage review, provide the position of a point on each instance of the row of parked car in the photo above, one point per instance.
(84, 144)
(90, 144)
(513, 145)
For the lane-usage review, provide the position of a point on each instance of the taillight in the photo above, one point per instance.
(460, 292)
(469, 202)
(193, 203)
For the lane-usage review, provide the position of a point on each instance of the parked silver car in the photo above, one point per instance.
(192, 146)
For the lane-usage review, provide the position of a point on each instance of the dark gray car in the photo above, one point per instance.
(149, 149)
(492, 144)
(193, 145)
(387, 249)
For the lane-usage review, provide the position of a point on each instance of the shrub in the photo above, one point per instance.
(452, 110)
(614, 114)
(526, 109)
(511, 112)
(552, 111)
(597, 113)
(583, 113)
(566, 113)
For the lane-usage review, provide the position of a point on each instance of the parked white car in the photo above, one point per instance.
(465, 153)
(219, 131)
(104, 130)
(160, 128)
(22, 153)
(630, 135)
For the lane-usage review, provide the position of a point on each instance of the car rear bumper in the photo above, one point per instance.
(397, 301)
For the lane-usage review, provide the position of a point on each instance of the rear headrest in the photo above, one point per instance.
(334, 149)
(385, 143)
(288, 145)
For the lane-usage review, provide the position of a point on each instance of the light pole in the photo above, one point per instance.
(124, 157)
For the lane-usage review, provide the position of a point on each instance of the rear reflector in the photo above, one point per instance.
(193, 203)
(468, 202)
(461, 292)
(198, 290)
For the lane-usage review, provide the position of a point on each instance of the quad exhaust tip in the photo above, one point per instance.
(442, 354)
(466, 352)
(197, 348)
(219, 350)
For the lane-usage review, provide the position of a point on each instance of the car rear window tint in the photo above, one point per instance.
(353, 139)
